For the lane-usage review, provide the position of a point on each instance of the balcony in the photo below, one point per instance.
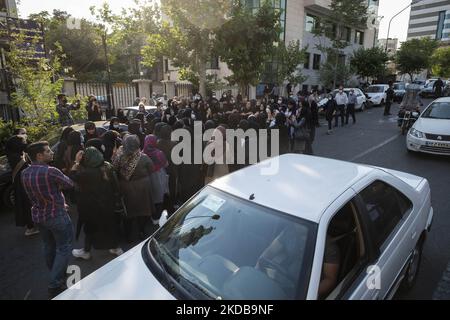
(317, 5)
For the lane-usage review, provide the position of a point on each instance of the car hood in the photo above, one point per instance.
(433, 126)
(125, 278)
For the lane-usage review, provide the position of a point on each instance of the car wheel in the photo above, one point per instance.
(363, 107)
(413, 268)
(8, 197)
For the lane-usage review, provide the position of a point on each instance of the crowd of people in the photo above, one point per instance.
(120, 180)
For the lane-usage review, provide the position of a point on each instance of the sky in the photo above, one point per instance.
(80, 8)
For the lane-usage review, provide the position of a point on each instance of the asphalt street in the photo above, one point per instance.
(374, 140)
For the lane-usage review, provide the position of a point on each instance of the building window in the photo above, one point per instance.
(316, 62)
(359, 37)
(3, 7)
(440, 26)
(311, 23)
(348, 34)
(307, 58)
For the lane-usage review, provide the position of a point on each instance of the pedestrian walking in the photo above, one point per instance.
(341, 102)
(63, 109)
(438, 87)
(352, 101)
(390, 93)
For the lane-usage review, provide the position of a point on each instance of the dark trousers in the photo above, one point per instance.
(350, 112)
(387, 108)
(340, 113)
(330, 124)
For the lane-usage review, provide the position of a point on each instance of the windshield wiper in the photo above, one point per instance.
(201, 289)
(171, 286)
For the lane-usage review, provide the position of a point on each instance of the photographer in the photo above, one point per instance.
(93, 109)
(63, 109)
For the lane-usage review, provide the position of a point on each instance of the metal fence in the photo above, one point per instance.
(122, 95)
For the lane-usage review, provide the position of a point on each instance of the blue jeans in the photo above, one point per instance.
(57, 234)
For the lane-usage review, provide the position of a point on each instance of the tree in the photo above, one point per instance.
(331, 32)
(441, 62)
(187, 38)
(415, 55)
(333, 72)
(36, 83)
(290, 61)
(369, 62)
(247, 42)
(81, 47)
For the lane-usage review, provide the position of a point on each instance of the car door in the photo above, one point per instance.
(352, 275)
(390, 215)
(360, 98)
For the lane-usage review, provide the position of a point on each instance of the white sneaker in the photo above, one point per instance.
(116, 252)
(80, 253)
(30, 232)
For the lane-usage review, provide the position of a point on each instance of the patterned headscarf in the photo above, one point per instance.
(157, 156)
(128, 156)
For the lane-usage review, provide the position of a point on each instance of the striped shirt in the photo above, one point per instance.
(43, 185)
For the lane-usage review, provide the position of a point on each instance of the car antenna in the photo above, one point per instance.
(252, 197)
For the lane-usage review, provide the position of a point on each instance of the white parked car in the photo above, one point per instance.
(254, 236)
(431, 132)
(377, 94)
(360, 96)
(131, 112)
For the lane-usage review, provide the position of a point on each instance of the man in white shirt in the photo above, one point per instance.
(341, 101)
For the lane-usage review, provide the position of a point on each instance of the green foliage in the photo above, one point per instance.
(290, 61)
(441, 62)
(369, 62)
(36, 80)
(333, 73)
(188, 40)
(415, 55)
(83, 57)
(6, 131)
(247, 54)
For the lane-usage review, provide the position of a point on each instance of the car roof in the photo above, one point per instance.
(444, 99)
(304, 186)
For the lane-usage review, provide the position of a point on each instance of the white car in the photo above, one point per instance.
(131, 112)
(360, 96)
(377, 94)
(254, 236)
(431, 132)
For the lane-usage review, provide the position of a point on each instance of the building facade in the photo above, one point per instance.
(391, 44)
(297, 20)
(430, 18)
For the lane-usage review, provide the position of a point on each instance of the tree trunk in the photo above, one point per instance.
(202, 77)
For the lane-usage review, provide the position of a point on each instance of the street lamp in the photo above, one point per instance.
(389, 28)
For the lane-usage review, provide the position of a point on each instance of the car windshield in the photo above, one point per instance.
(437, 110)
(430, 84)
(221, 247)
(399, 86)
(375, 89)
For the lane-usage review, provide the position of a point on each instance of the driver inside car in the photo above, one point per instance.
(330, 269)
